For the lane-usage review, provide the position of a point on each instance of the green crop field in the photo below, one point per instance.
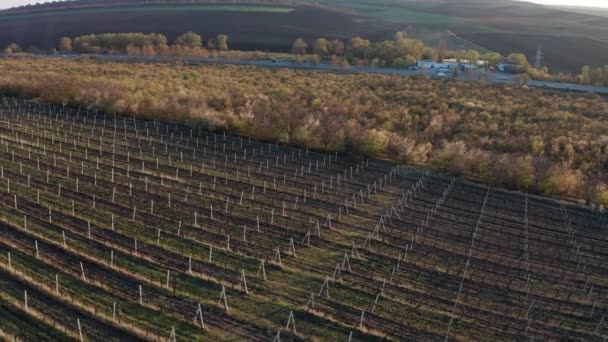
(394, 12)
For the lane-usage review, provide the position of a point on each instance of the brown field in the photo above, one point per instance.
(248, 30)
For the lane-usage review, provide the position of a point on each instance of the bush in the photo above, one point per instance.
(518, 138)
(562, 181)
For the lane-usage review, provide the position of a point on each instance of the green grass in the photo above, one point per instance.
(395, 13)
(16, 323)
(151, 9)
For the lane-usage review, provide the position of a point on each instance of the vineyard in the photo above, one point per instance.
(121, 229)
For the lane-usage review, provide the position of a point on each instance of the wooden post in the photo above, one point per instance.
(361, 320)
(291, 320)
(262, 269)
(346, 263)
(324, 286)
(244, 281)
(79, 330)
(199, 316)
(311, 301)
(223, 297)
(141, 295)
(292, 247)
(82, 271)
(172, 337)
(277, 256)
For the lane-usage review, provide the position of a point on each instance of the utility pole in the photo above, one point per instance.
(538, 60)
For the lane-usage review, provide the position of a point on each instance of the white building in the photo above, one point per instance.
(429, 64)
(448, 64)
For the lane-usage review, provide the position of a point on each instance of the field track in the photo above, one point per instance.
(140, 230)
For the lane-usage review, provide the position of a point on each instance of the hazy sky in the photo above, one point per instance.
(592, 3)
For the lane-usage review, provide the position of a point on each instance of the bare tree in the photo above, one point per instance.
(330, 123)
(289, 117)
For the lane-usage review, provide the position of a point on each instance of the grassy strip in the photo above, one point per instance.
(18, 324)
(151, 9)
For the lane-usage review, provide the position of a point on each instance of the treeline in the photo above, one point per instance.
(593, 76)
(144, 44)
(399, 52)
(535, 140)
(403, 51)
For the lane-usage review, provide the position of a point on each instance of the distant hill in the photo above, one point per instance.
(259, 25)
(503, 26)
(500, 25)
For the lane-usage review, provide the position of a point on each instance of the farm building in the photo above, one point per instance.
(430, 64)
(508, 65)
(448, 64)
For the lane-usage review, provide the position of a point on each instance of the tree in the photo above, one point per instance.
(211, 44)
(410, 60)
(288, 118)
(562, 181)
(491, 57)
(521, 60)
(398, 63)
(586, 74)
(321, 47)
(222, 42)
(189, 39)
(299, 46)
(472, 56)
(148, 50)
(400, 36)
(65, 44)
(442, 49)
(330, 123)
(336, 48)
(13, 48)
(359, 47)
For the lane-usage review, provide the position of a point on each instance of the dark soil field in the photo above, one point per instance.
(561, 53)
(248, 30)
